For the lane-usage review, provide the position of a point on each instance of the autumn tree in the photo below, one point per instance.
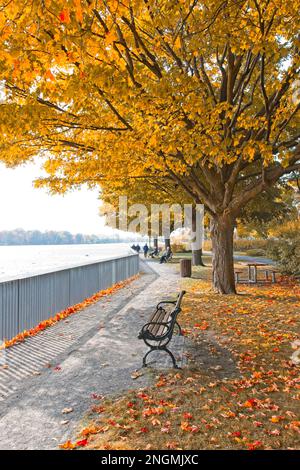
(274, 206)
(200, 93)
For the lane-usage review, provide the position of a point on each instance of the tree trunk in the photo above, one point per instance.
(196, 250)
(167, 243)
(222, 254)
(197, 258)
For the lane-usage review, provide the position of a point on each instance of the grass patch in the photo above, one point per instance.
(191, 409)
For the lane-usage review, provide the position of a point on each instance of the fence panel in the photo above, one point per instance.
(27, 301)
(9, 303)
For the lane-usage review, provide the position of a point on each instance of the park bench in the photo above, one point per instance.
(158, 332)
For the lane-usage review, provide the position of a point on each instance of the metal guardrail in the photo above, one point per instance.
(25, 302)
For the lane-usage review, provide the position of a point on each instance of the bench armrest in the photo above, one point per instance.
(173, 302)
(166, 302)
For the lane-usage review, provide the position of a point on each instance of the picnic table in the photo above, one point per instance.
(254, 266)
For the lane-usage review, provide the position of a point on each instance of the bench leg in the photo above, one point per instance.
(145, 357)
(179, 328)
(160, 349)
(172, 357)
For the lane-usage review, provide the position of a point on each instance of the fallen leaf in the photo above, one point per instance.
(82, 443)
(67, 410)
(136, 375)
(68, 445)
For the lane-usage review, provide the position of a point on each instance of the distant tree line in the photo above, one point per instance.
(51, 237)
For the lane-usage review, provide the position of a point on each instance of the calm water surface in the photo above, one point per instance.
(28, 260)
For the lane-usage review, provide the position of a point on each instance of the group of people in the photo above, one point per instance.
(137, 248)
(166, 256)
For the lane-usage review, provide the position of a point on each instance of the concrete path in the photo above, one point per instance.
(95, 351)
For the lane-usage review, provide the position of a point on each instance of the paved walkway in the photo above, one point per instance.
(93, 352)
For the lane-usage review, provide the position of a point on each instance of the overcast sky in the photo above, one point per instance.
(23, 206)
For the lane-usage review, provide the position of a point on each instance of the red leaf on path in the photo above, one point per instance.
(144, 430)
(186, 426)
(258, 424)
(254, 445)
(96, 397)
(250, 403)
(82, 443)
(201, 326)
(236, 434)
(112, 422)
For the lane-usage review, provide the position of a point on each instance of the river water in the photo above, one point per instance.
(28, 260)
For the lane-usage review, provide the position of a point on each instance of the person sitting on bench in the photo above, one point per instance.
(166, 256)
(155, 252)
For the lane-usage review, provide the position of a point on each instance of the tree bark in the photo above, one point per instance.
(167, 243)
(197, 258)
(196, 250)
(222, 254)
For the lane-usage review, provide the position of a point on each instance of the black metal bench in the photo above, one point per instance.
(158, 332)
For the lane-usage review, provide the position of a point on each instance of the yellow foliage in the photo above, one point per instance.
(121, 89)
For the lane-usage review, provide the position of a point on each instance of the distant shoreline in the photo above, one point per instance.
(106, 242)
(21, 237)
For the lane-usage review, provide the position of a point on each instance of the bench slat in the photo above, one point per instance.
(155, 317)
(158, 330)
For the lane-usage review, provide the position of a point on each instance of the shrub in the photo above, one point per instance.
(256, 252)
(285, 248)
(243, 244)
(179, 248)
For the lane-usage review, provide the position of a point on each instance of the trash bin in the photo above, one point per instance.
(185, 267)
